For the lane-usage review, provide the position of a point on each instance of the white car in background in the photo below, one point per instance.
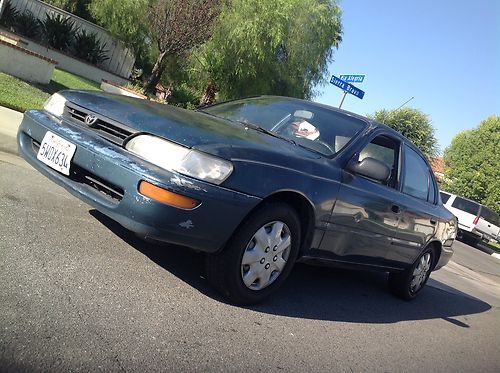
(476, 222)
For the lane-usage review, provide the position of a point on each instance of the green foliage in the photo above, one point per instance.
(27, 25)
(414, 125)
(9, 16)
(88, 47)
(270, 47)
(472, 163)
(184, 96)
(125, 19)
(77, 7)
(58, 31)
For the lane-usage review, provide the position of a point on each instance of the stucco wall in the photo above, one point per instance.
(24, 64)
(121, 59)
(110, 87)
(75, 66)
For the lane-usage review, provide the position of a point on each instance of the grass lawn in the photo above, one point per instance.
(20, 95)
(494, 245)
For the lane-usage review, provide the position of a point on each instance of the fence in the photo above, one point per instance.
(121, 59)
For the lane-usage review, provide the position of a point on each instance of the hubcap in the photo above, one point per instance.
(421, 273)
(266, 255)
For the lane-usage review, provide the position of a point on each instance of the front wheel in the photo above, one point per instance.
(409, 283)
(259, 256)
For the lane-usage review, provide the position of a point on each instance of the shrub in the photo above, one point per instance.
(88, 48)
(58, 32)
(9, 16)
(27, 25)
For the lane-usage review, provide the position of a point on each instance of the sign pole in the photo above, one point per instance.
(343, 98)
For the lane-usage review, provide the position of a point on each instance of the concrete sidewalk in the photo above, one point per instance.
(9, 123)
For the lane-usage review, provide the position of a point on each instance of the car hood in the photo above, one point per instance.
(197, 130)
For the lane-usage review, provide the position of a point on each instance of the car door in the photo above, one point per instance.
(420, 213)
(366, 215)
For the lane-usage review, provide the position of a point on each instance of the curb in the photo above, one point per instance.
(9, 123)
(496, 255)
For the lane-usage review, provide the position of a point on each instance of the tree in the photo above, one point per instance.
(176, 27)
(77, 7)
(125, 19)
(413, 124)
(472, 163)
(278, 47)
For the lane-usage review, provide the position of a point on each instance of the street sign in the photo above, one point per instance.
(352, 78)
(348, 88)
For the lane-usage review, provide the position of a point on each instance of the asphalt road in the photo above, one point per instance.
(79, 293)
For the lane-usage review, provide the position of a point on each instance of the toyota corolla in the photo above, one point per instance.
(256, 184)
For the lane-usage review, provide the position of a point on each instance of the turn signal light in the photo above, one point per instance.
(166, 196)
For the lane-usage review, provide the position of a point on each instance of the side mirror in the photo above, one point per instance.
(370, 168)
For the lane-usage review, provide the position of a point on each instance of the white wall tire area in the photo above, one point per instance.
(408, 284)
(259, 256)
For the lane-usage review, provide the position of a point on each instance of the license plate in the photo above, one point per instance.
(56, 152)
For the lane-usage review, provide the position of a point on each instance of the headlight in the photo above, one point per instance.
(55, 104)
(174, 157)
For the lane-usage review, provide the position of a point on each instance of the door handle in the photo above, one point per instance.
(433, 221)
(395, 209)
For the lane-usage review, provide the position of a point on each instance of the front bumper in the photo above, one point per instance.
(106, 177)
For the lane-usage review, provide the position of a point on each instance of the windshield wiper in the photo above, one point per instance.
(252, 126)
(267, 132)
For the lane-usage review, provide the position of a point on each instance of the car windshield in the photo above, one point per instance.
(316, 128)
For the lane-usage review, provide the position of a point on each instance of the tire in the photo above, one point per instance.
(409, 283)
(471, 240)
(259, 256)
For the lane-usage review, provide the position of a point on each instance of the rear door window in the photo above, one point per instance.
(416, 175)
(466, 205)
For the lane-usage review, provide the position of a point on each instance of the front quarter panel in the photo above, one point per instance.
(317, 181)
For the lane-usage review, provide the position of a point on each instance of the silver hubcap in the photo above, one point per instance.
(266, 255)
(420, 273)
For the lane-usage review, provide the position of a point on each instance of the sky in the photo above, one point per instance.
(444, 53)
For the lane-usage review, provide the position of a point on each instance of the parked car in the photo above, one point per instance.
(257, 184)
(476, 222)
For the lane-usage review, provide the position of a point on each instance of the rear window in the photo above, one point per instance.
(444, 197)
(466, 205)
(490, 216)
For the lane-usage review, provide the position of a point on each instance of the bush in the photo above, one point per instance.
(87, 47)
(27, 25)
(9, 16)
(58, 32)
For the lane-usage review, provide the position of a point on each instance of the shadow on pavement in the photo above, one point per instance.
(316, 292)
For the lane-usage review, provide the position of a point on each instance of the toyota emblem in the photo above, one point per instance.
(90, 119)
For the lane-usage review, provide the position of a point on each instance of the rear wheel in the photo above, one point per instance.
(409, 283)
(259, 256)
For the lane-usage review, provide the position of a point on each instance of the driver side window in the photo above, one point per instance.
(385, 150)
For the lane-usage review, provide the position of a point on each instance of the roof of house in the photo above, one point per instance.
(437, 165)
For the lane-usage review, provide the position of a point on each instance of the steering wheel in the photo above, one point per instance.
(326, 145)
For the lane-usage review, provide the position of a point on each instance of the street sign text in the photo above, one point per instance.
(349, 88)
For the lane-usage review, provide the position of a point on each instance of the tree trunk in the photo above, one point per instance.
(208, 97)
(156, 74)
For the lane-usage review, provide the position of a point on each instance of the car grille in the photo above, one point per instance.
(105, 127)
(110, 191)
